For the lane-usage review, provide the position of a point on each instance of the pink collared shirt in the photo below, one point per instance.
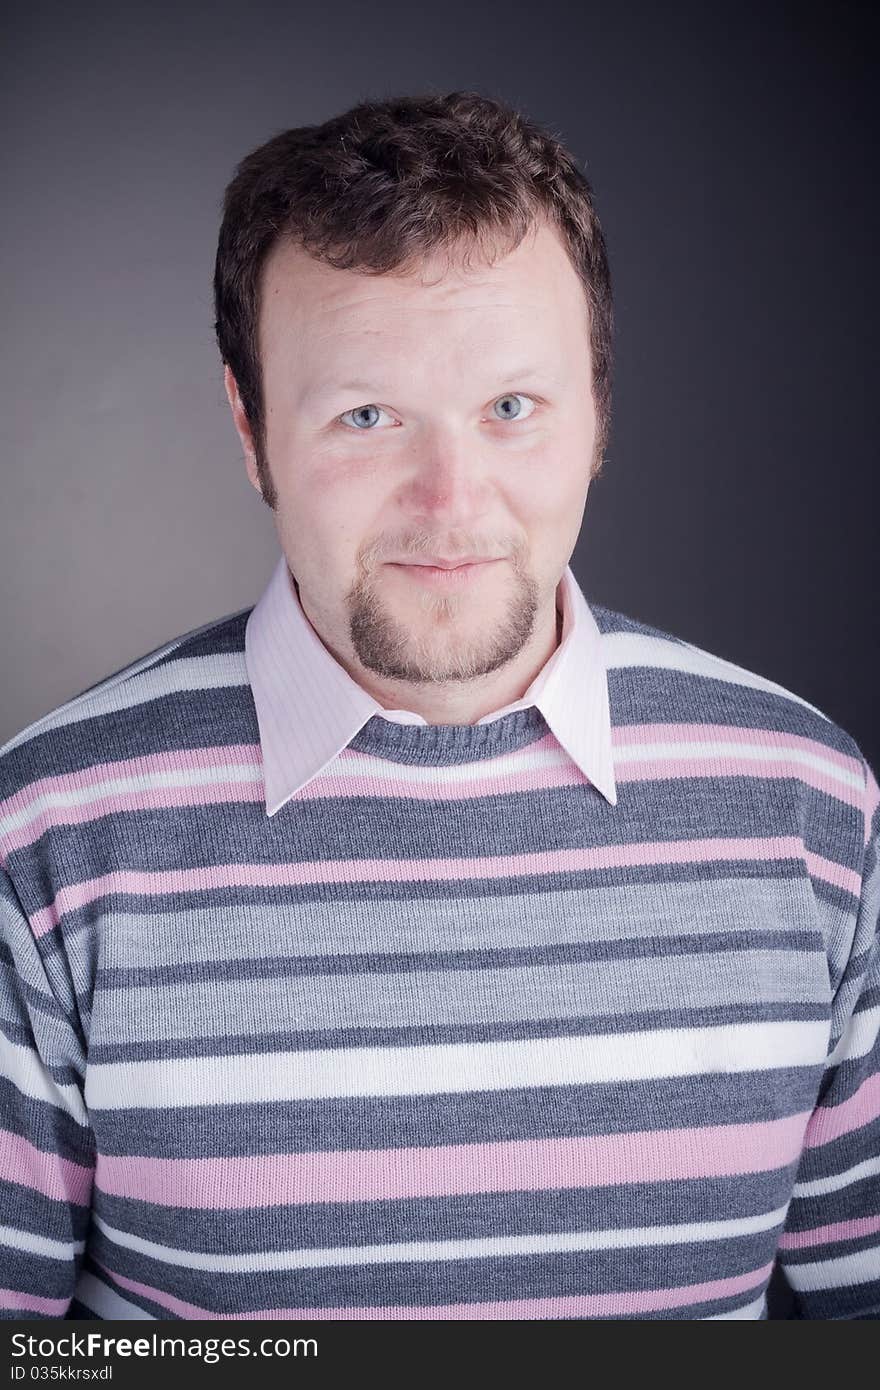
(309, 708)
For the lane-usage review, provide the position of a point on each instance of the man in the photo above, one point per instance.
(424, 941)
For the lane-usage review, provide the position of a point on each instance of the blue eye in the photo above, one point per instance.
(362, 410)
(365, 417)
(516, 414)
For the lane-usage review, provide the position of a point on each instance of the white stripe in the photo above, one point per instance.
(99, 1298)
(353, 765)
(15, 1239)
(456, 1067)
(113, 786)
(487, 1247)
(749, 1310)
(635, 649)
(858, 1037)
(861, 1268)
(664, 752)
(27, 1073)
(122, 691)
(835, 1181)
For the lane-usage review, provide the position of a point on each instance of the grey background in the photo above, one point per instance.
(730, 151)
(730, 148)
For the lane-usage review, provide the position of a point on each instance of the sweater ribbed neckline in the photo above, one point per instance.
(448, 744)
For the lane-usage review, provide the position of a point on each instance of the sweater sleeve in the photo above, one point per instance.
(46, 1143)
(830, 1248)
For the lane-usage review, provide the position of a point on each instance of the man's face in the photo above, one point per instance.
(446, 414)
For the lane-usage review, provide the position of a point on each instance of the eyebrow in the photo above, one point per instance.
(329, 388)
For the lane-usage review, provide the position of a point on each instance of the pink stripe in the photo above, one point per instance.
(180, 759)
(833, 873)
(568, 774)
(824, 1235)
(565, 774)
(623, 734)
(161, 798)
(178, 762)
(351, 871)
(872, 792)
(54, 1177)
(173, 761)
(571, 1306)
(330, 784)
(30, 1302)
(723, 765)
(829, 1122)
(368, 1175)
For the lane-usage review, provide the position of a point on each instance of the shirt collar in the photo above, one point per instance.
(309, 708)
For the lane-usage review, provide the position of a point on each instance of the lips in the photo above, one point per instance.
(448, 576)
(435, 562)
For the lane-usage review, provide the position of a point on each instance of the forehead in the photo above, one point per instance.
(534, 288)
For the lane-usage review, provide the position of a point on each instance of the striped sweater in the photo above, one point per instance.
(451, 1034)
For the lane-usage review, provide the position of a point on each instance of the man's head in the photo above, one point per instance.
(414, 309)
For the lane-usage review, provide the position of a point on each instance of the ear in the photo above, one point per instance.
(242, 426)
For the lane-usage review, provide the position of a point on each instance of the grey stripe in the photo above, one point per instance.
(411, 998)
(451, 1281)
(460, 1216)
(601, 913)
(381, 1122)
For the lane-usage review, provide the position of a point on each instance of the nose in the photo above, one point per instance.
(446, 478)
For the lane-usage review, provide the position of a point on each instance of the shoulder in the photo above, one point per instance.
(132, 712)
(731, 716)
(697, 680)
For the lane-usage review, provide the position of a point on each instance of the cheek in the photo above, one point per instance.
(553, 481)
(550, 502)
(327, 518)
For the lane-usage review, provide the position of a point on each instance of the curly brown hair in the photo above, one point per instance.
(382, 186)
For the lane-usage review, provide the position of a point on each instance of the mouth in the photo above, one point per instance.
(440, 577)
